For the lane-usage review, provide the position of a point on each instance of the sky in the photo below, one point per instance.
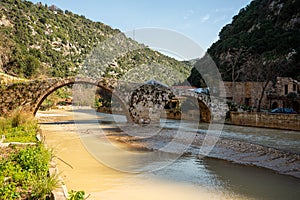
(199, 20)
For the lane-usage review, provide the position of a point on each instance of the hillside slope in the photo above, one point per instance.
(39, 40)
(263, 39)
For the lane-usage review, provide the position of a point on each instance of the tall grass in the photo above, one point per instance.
(19, 127)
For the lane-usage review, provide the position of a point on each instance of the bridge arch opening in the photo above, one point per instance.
(71, 82)
(153, 101)
(205, 113)
(187, 108)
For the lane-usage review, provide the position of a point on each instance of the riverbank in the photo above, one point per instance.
(282, 162)
(24, 161)
(193, 177)
(77, 167)
(81, 171)
(241, 152)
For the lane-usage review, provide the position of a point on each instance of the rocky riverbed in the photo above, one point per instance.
(235, 151)
(154, 138)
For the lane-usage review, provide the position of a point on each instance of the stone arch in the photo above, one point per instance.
(29, 95)
(70, 81)
(147, 102)
(204, 110)
(204, 103)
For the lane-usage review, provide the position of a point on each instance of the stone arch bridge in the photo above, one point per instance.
(141, 103)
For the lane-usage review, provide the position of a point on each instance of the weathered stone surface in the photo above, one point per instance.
(141, 103)
(281, 121)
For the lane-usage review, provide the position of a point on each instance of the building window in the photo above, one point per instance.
(229, 98)
(286, 89)
(247, 101)
(294, 87)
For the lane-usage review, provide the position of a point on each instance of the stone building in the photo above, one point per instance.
(286, 94)
(247, 93)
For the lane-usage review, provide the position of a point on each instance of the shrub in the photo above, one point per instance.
(24, 174)
(76, 195)
(33, 159)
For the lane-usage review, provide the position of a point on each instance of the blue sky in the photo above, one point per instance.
(200, 20)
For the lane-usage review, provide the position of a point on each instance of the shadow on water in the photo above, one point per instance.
(58, 123)
(110, 129)
(254, 182)
(77, 122)
(250, 182)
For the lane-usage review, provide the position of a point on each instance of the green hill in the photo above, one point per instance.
(262, 40)
(39, 40)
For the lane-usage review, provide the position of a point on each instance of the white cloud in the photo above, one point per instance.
(205, 18)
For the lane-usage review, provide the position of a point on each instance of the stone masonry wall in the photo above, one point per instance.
(267, 120)
(139, 102)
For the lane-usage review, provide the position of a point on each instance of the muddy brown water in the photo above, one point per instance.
(187, 178)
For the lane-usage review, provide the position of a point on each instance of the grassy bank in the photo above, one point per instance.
(24, 170)
(19, 127)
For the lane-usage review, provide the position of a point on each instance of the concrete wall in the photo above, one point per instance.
(280, 121)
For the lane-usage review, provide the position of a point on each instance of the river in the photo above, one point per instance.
(187, 177)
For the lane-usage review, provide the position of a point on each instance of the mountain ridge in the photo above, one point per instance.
(38, 40)
(264, 33)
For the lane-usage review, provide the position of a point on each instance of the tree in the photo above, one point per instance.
(232, 60)
(32, 65)
(265, 69)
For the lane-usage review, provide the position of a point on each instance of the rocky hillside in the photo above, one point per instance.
(261, 42)
(39, 40)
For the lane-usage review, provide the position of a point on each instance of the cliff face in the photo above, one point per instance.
(38, 39)
(42, 40)
(264, 36)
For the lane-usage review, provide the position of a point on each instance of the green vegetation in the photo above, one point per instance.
(19, 127)
(24, 174)
(76, 195)
(58, 97)
(42, 40)
(24, 169)
(37, 40)
(262, 38)
(145, 64)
